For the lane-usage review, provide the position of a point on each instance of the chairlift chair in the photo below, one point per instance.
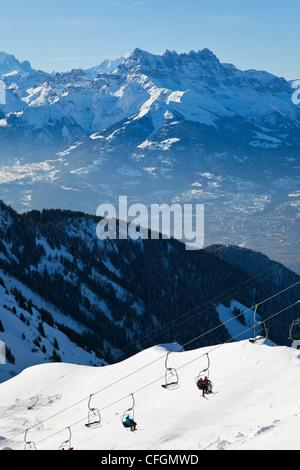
(66, 445)
(295, 333)
(202, 374)
(128, 412)
(261, 337)
(94, 417)
(171, 377)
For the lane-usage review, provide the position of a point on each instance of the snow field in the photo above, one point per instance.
(255, 404)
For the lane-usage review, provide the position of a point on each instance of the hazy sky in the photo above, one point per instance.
(64, 34)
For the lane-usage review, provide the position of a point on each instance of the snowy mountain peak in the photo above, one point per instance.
(107, 66)
(187, 70)
(205, 55)
(139, 53)
(168, 57)
(9, 64)
(169, 53)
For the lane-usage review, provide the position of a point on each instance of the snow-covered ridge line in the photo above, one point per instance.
(86, 103)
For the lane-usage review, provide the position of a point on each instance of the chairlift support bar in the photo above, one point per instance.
(94, 417)
(258, 338)
(67, 443)
(208, 363)
(133, 403)
(170, 372)
(255, 322)
(294, 336)
(29, 445)
(131, 409)
(201, 375)
(204, 370)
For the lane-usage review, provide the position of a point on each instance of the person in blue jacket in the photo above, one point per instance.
(130, 423)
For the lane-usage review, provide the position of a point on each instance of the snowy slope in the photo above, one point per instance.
(256, 404)
(23, 336)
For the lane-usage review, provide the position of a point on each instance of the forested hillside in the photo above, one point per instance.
(124, 295)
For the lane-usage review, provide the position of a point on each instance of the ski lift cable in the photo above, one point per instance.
(152, 362)
(202, 311)
(220, 345)
(84, 399)
(161, 330)
(166, 327)
(239, 334)
(180, 367)
(242, 313)
(156, 360)
(174, 350)
(81, 420)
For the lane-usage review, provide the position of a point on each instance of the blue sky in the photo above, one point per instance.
(64, 34)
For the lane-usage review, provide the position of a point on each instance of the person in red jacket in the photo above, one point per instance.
(204, 385)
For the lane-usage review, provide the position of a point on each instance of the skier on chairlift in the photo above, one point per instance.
(204, 385)
(130, 423)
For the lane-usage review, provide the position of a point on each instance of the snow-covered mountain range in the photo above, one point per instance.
(158, 128)
(168, 88)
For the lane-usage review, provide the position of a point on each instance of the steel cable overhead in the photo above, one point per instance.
(158, 359)
(162, 377)
(162, 329)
